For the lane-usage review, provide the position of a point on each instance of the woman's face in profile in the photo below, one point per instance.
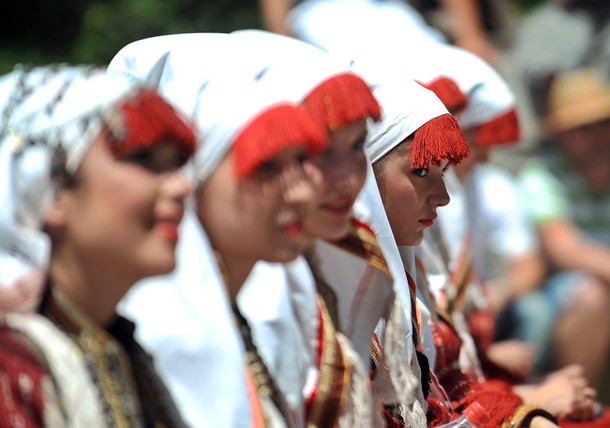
(261, 216)
(123, 213)
(343, 167)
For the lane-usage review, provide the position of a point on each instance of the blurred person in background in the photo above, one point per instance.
(463, 19)
(566, 191)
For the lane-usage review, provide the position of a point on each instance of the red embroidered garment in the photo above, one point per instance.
(60, 369)
(21, 376)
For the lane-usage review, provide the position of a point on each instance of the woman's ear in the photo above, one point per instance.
(56, 216)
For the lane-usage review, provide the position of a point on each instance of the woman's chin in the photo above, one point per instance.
(160, 266)
(330, 230)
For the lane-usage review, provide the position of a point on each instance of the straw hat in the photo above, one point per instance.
(577, 98)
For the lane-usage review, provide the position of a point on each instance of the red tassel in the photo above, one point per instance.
(145, 119)
(438, 139)
(341, 99)
(275, 129)
(503, 129)
(448, 91)
(500, 405)
(437, 413)
(482, 326)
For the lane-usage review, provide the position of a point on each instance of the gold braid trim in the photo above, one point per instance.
(524, 414)
(362, 242)
(268, 391)
(376, 352)
(328, 400)
(107, 360)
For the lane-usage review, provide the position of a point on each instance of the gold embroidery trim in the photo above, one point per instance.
(334, 377)
(523, 413)
(362, 243)
(93, 340)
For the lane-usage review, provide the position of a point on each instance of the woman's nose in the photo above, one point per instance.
(439, 197)
(298, 187)
(177, 186)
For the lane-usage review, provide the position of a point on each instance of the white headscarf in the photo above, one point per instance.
(401, 116)
(49, 118)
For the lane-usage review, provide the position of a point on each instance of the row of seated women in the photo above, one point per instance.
(222, 230)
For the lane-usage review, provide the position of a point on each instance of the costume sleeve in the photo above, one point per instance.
(541, 194)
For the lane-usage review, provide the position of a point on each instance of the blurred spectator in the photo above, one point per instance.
(560, 35)
(463, 20)
(566, 191)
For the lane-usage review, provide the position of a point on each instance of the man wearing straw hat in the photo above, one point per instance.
(567, 196)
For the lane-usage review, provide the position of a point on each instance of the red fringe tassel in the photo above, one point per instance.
(438, 139)
(448, 91)
(341, 99)
(146, 118)
(500, 405)
(275, 129)
(437, 413)
(503, 129)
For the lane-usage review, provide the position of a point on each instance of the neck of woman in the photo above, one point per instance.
(234, 271)
(94, 288)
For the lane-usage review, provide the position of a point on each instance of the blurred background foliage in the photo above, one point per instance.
(92, 31)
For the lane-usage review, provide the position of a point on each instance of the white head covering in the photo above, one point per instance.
(294, 67)
(488, 93)
(406, 107)
(49, 118)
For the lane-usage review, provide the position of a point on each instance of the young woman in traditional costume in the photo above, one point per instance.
(192, 344)
(409, 149)
(267, 305)
(92, 197)
(262, 216)
(350, 283)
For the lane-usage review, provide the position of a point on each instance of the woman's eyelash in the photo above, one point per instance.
(359, 145)
(420, 172)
